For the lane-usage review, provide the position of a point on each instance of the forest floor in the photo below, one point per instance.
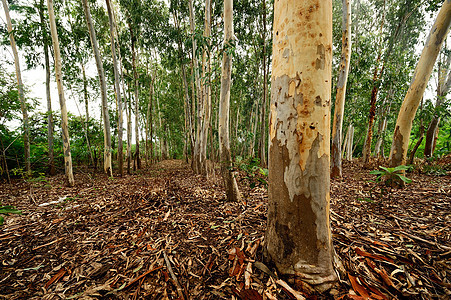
(166, 233)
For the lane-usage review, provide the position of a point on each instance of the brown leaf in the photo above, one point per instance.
(56, 277)
(358, 287)
(362, 252)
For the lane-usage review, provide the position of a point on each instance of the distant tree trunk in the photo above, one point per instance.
(444, 85)
(59, 83)
(263, 137)
(206, 93)
(348, 144)
(137, 159)
(50, 125)
(421, 76)
(107, 165)
(120, 148)
(23, 104)
(196, 160)
(378, 148)
(187, 102)
(372, 113)
(337, 129)
(230, 185)
(298, 236)
(86, 98)
(128, 105)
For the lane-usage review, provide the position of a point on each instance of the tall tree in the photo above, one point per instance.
(117, 89)
(23, 104)
(59, 83)
(418, 84)
(107, 166)
(50, 125)
(298, 236)
(263, 137)
(231, 187)
(337, 129)
(203, 87)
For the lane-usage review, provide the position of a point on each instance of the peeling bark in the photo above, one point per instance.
(298, 237)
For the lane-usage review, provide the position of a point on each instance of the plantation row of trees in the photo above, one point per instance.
(159, 76)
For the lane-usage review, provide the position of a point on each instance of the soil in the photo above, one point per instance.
(166, 233)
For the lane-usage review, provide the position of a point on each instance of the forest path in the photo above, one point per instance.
(108, 238)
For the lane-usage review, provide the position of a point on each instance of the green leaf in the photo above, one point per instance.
(9, 210)
(2, 220)
(389, 170)
(404, 178)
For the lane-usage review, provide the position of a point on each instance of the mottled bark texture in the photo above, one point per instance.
(230, 184)
(419, 82)
(298, 236)
(62, 100)
(107, 165)
(23, 104)
(337, 129)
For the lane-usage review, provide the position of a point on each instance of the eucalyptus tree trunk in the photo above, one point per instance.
(149, 121)
(337, 129)
(107, 165)
(206, 94)
(23, 104)
(187, 102)
(196, 160)
(230, 185)
(86, 98)
(444, 85)
(137, 160)
(263, 137)
(298, 236)
(120, 154)
(59, 83)
(418, 84)
(128, 108)
(50, 124)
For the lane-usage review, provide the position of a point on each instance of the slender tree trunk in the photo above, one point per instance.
(107, 165)
(298, 236)
(337, 129)
(129, 133)
(372, 113)
(263, 137)
(230, 185)
(50, 125)
(444, 85)
(117, 88)
(59, 83)
(137, 159)
(187, 104)
(421, 76)
(86, 127)
(195, 164)
(23, 104)
(206, 93)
